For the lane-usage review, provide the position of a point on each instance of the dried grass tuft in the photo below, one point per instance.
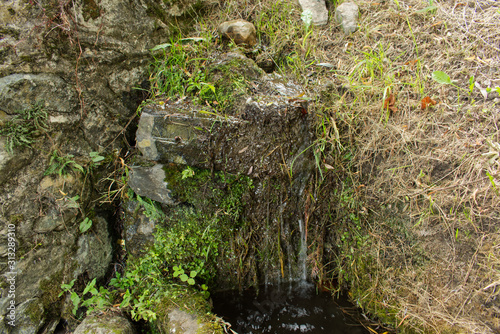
(431, 259)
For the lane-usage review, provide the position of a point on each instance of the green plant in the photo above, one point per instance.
(187, 173)
(85, 225)
(471, 85)
(179, 71)
(97, 300)
(151, 208)
(21, 129)
(59, 164)
(179, 272)
(444, 79)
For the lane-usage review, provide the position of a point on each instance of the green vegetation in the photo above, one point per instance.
(60, 164)
(182, 262)
(22, 128)
(405, 197)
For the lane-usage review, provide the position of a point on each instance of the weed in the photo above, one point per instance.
(61, 164)
(21, 129)
(85, 225)
(187, 173)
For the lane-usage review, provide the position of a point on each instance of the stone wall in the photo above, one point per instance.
(81, 62)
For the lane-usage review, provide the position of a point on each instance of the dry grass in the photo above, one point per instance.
(427, 254)
(430, 263)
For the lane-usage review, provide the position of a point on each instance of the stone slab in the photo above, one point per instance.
(266, 138)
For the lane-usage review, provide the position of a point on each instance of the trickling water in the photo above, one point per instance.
(284, 309)
(302, 252)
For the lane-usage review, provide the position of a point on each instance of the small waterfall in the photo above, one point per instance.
(301, 261)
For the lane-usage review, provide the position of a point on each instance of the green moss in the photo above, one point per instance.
(209, 191)
(51, 288)
(231, 79)
(90, 10)
(193, 303)
(34, 312)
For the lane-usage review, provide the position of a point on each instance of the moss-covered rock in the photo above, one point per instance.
(105, 324)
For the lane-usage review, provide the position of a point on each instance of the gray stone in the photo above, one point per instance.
(183, 322)
(347, 14)
(317, 10)
(240, 31)
(95, 251)
(53, 220)
(20, 91)
(41, 61)
(28, 317)
(270, 129)
(138, 229)
(106, 324)
(11, 163)
(150, 182)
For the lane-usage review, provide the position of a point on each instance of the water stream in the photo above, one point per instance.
(286, 308)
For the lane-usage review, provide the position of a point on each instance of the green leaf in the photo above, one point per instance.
(85, 225)
(441, 77)
(76, 301)
(96, 157)
(193, 274)
(126, 299)
(184, 277)
(161, 46)
(66, 287)
(188, 172)
(190, 281)
(88, 287)
(78, 166)
(212, 87)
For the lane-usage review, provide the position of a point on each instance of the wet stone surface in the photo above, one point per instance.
(270, 133)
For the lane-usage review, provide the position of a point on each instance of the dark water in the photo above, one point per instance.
(285, 308)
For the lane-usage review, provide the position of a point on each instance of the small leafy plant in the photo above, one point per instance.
(60, 164)
(179, 272)
(85, 225)
(22, 128)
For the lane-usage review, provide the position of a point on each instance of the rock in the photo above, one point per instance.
(239, 31)
(183, 322)
(28, 317)
(347, 14)
(11, 163)
(106, 324)
(270, 128)
(317, 11)
(41, 61)
(21, 91)
(265, 119)
(138, 228)
(95, 251)
(150, 182)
